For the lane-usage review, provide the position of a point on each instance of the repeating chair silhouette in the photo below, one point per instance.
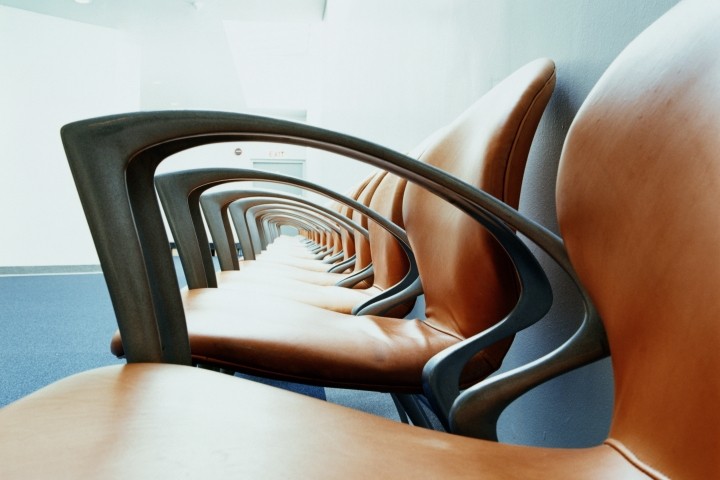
(637, 206)
(468, 280)
(357, 246)
(217, 207)
(379, 192)
(393, 267)
(221, 209)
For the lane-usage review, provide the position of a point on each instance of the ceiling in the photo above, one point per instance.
(133, 14)
(253, 51)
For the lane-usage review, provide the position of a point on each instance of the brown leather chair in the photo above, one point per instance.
(390, 265)
(637, 198)
(354, 244)
(223, 210)
(180, 193)
(287, 275)
(361, 243)
(486, 146)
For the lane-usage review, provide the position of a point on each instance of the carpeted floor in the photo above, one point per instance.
(52, 326)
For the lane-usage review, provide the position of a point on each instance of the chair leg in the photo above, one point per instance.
(411, 406)
(226, 371)
(401, 411)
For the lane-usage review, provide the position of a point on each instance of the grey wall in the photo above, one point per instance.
(583, 37)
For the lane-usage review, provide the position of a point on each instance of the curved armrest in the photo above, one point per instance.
(396, 295)
(180, 193)
(113, 160)
(353, 279)
(475, 412)
(215, 206)
(238, 209)
(342, 266)
(407, 288)
(256, 209)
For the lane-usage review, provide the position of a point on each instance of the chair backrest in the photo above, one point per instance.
(362, 245)
(348, 239)
(217, 205)
(389, 261)
(487, 147)
(639, 209)
(113, 160)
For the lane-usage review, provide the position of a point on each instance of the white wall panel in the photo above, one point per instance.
(53, 72)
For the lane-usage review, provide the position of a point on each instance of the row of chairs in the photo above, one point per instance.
(637, 211)
(273, 329)
(374, 263)
(390, 259)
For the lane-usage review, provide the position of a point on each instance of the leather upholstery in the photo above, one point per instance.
(389, 261)
(164, 421)
(470, 256)
(279, 270)
(274, 283)
(348, 241)
(362, 245)
(638, 208)
(468, 283)
(303, 343)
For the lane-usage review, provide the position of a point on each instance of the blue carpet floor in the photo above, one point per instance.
(52, 326)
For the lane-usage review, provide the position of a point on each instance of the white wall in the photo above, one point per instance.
(53, 72)
(379, 70)
(394, 72)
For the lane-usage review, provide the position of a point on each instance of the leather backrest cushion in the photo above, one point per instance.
(389, 261)
(348, 238)
(468, 280)
(639, 209)
(362, 245)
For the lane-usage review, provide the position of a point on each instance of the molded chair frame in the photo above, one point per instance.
(116, 156)
(335, 224)
(180, 194)
(215, 207)
(252, 222)
(238, 211)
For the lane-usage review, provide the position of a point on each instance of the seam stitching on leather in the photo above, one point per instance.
(536, 97)
(425, 322)
(634, 460)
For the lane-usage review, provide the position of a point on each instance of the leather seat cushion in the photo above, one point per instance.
(297, 342)
(168, 421)
(310, 264)
(331, 297)
(266, 271)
